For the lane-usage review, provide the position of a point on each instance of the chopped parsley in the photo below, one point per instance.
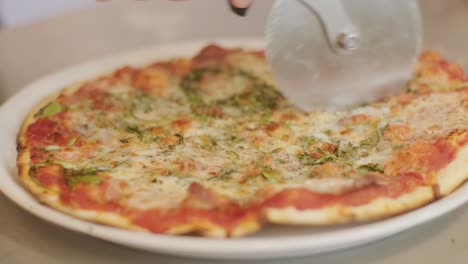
(257, 95)
(72, 141)
(207, 143)
(85, 175)
(346, 151)
(371, 167)
(233, 155)
(309, 160)
(190, 85)
(373, 140)
(181, 138)
(270, 175)
(223, 174)
(135, 130)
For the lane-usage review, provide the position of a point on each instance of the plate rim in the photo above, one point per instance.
(250, 247)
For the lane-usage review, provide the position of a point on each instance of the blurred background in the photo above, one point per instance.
(38, 37)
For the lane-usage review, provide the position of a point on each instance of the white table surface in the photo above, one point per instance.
(28, 52)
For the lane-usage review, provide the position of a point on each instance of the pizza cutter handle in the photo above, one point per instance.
(342, 36)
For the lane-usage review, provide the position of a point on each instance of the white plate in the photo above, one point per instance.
(273, 242)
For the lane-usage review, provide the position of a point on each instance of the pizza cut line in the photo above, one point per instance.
(208, 145)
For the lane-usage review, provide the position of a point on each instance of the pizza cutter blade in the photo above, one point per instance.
(333, 54)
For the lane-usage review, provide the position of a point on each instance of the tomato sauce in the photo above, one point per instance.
(221, 212)
(37, 155)
(45, 131)
(159, 221)
(211, 53)
(83, 196)
(303, 199)
(92, 93)
(454, 71)
(50, 176)
(423, 157)
(86, 197)
(444, 153)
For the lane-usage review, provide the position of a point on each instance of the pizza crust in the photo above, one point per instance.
(454, 174)
(205, 228)
(339, 214)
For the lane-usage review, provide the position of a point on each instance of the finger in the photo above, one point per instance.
(241, 3)
(240, 7)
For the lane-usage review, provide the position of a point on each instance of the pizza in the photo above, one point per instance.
(209, 146)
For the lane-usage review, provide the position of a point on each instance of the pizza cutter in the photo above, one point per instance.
(334, 54)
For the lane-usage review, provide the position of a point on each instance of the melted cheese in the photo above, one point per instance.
(334, 185)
